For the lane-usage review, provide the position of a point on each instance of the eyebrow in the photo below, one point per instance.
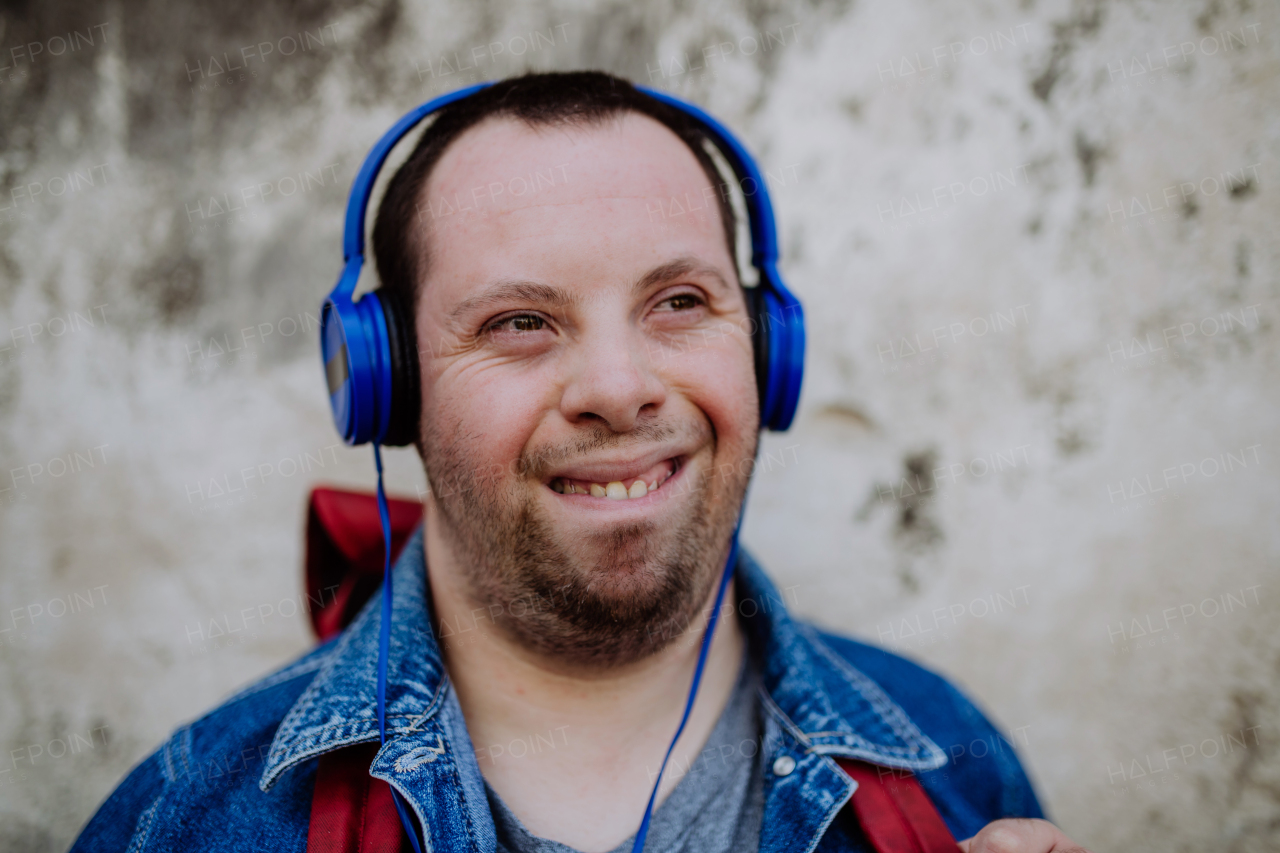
(529, 291)
(678, 268)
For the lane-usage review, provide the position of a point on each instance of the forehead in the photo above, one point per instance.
(618, 155)
(625, 191)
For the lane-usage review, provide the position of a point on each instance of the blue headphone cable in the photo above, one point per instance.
(384, 651)
(643, 831)
(384, 643)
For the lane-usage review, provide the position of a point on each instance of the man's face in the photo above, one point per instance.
(589, 404)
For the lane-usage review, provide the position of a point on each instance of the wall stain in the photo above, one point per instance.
(1084, 21)
(1088, 154)
(917, 533)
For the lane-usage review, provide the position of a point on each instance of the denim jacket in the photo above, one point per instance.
(242, 777)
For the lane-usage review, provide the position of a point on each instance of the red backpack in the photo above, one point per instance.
(352, 812)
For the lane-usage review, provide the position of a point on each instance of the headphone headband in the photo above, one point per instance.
(372, 376)
(764, 235)
(362, 187)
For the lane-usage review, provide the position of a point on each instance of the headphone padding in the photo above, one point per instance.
(406, 387)
(759, 340)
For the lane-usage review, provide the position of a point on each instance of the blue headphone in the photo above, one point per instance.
(365, 344)
(368, 364)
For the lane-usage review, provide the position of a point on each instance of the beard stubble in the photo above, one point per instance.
(645, 584)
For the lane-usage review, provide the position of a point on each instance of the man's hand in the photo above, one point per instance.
(1020, 836)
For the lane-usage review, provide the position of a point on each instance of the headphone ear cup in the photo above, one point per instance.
(782, 320)
(352, 348)
(406, 387)
(338, 370)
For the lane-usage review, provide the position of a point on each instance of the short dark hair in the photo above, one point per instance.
(578, 97)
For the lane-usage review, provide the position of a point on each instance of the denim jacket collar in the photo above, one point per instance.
(828, 705)
(817, 705)
(339, 707)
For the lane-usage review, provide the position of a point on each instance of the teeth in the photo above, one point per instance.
(615, 490)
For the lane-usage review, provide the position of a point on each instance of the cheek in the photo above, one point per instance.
(490, 412)
(719, 378)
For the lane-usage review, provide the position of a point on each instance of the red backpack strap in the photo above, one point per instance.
(345, 552)
(895, 813)
(352, 812)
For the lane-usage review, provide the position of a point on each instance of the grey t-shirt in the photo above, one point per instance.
(717, 805)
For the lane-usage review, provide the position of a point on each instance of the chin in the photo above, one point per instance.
(596, 580)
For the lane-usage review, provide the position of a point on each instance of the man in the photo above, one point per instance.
(587, 466)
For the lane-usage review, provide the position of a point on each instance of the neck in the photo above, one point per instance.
(574, 753)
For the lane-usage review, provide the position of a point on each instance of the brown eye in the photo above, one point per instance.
(682, 302)
(521, 323)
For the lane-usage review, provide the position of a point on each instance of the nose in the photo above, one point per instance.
(612, 380)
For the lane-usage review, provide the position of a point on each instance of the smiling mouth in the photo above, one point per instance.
(623, 488)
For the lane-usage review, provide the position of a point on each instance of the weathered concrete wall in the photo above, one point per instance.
(1037, 447)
